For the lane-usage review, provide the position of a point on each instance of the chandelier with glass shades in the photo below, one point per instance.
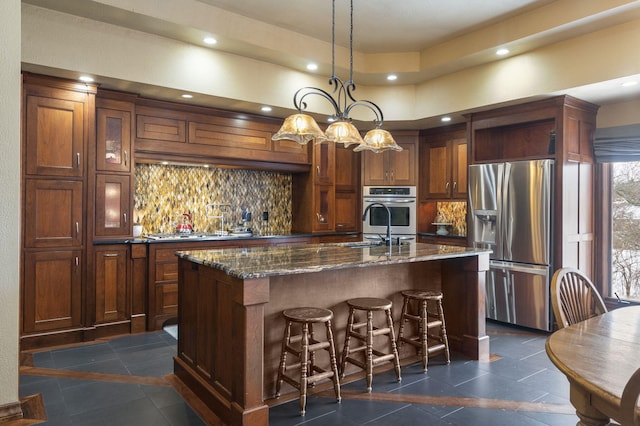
(302, 128)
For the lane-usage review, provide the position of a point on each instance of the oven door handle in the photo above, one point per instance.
(393, 201)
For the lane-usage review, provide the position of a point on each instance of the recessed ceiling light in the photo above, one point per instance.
(629, 83)
(445, 119)
(187, 96)
(266, 109)
(501, 52)
(312, 67)
(85, 79)
(392, 77)
(210, 40)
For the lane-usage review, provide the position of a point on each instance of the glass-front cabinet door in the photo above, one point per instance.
(113, 140)
(112, 205)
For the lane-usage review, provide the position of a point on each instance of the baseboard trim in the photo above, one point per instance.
(10, 412)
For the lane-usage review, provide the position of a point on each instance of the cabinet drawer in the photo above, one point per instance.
(167, 271)
(167, 299)
(167, 255)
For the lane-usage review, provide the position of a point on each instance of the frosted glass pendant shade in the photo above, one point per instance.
(343, 132)
(301, 128)
(378, 140)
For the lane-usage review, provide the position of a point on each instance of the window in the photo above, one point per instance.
(625, 238)
(617, 151)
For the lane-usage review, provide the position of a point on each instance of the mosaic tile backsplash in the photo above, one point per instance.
(454, 212)
(164, 192)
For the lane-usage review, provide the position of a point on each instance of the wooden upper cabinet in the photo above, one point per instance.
(459, 168)
(229, 136)
(374, 168)
(443, 164)
(402, 164)
(113, 141)
(200, 135)
(347, 167)
(324, 165)
(53, 213)
(323, 208)
(391, 167)
(54, 137)
(348, 210)
(161, 128)
(112, 207)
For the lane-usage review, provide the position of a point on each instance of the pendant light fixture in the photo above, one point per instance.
(302, 128)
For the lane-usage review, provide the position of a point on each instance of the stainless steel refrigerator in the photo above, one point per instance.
(510, 208)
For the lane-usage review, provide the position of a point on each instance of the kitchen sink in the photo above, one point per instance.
(362, 245)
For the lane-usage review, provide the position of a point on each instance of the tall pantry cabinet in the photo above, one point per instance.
(57, 129)
(110, 264)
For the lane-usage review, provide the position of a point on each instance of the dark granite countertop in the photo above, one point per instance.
(433, 234)
(291, 259)
(178, 238)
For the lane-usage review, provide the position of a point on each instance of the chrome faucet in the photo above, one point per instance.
(364, 217)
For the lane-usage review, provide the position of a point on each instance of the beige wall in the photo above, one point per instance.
(10, 196)
(84, 45)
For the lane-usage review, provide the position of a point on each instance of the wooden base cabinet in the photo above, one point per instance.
(112, 289)
(52, 291)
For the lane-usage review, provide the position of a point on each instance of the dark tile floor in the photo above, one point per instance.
(519, 387)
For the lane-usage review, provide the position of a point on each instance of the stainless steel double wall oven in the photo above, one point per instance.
(401, 202)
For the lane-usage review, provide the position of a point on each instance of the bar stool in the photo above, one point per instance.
(369, 305)
(426, 343)
(305, 351)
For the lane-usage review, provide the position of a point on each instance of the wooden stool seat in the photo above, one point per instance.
(304, 346)
(425, 342)
(372, 356)
(369, 304)
(308, 315)
(423, 294)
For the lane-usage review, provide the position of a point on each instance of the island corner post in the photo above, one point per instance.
(230, 329)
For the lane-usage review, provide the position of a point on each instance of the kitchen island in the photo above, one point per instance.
(231, 300)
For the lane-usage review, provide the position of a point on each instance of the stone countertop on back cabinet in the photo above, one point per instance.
(259, 262)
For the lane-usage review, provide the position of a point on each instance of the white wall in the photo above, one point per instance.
(10, 196)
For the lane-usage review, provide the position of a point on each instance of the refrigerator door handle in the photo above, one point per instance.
(505, 237)
(536, 270)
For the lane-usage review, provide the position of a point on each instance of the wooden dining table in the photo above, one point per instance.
(598, 356)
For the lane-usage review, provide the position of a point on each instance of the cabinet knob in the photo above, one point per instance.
(126, 157)
(77, 264)
(111, 255)
(77, 230)
(78, 159)
(455, 185)
(125, 218)
(446, 187)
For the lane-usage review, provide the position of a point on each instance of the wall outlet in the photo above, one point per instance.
(265, 215)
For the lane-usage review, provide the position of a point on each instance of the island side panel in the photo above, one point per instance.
(220, 323)
(463, 286)
(331, 289)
